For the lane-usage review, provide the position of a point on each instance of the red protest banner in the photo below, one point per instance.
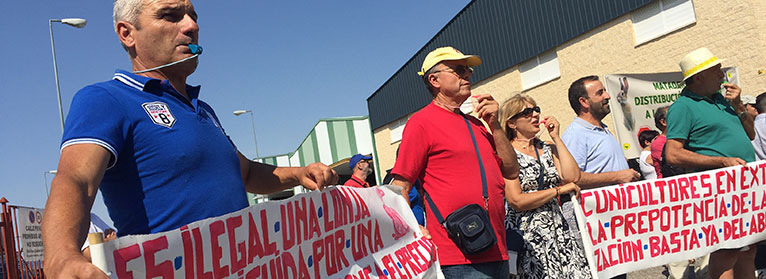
(341, 232)
(649, 223)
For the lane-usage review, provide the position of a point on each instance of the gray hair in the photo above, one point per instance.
(127, 10)
(660, 114)
(431, 71)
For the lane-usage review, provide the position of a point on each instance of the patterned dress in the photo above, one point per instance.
(550, 249)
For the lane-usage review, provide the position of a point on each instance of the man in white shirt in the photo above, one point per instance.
(759, 143)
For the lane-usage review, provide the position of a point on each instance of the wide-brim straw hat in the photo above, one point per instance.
(697, 61)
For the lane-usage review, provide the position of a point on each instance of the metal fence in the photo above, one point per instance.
(12, 264)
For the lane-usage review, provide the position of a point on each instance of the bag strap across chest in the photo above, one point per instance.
(485, 192)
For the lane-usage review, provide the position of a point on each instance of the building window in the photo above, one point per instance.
(397, 127)
(539, 70)
(660, 18)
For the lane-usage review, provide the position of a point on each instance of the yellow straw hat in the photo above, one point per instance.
(697, 61)
(447, 53)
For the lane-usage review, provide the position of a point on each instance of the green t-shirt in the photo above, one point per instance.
(709, 127)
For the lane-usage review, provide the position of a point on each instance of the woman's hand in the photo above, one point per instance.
(570, 188)
(552, 125)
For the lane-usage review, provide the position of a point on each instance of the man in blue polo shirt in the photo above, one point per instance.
(707, 130)
(597, 152)
(158, 153)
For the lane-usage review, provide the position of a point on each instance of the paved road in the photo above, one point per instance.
(649, 273)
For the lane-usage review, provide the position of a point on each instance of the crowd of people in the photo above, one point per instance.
(710, 126)
(502, 174)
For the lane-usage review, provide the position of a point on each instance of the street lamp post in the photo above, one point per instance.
(45, 175)
(76, 22)
(252, 118)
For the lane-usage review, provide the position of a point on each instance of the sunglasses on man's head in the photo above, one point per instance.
(527, 112)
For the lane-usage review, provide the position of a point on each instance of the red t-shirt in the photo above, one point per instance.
(437, 149)
(356, 182)
(656, 149)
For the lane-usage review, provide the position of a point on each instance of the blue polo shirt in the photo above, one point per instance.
(593, 147)
(172, 163)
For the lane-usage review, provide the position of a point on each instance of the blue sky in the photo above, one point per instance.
(292, 62)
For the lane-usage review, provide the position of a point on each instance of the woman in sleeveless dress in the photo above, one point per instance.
(546, 171)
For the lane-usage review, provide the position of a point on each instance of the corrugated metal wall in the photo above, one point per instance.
(504, 33)
(330, 140)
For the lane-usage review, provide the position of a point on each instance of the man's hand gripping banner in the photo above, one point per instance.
(340, 232)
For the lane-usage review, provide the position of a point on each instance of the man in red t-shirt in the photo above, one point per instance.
(437, 149)
(361, 168)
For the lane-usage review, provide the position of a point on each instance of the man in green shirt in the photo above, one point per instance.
(707, 130)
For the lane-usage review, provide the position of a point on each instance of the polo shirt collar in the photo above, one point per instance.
(150, 85)
(694, 96)
(360, 181)
(589, 126)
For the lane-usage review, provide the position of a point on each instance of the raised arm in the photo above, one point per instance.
(67, 212)
(732, 95)
(487, 110)
(564, 161)
(263, 179)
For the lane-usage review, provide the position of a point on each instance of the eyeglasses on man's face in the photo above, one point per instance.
(460, 70)
(527, 112)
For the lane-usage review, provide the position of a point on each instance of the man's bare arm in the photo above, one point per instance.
(406, 188)
(732, 94)
(678, 156)
(263, 179)
(510, 166)
(595, 180)
(487, 110)
(748, 123)
(67, 212)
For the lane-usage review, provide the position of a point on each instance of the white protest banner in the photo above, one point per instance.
(636, 96)
(340, 232)
(650, 223)
(30, 234)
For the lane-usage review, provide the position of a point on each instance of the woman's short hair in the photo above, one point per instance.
(511, 107)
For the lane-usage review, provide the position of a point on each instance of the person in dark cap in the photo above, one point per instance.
(361, 167)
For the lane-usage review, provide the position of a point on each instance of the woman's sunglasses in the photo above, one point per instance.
(527, 112)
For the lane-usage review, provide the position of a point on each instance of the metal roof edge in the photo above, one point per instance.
(451, 21)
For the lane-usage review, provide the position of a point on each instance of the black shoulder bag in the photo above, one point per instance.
(469, 226)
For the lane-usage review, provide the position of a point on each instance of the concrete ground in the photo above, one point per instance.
(649, 273)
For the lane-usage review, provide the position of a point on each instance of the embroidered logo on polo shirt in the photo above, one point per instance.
(159, 112)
